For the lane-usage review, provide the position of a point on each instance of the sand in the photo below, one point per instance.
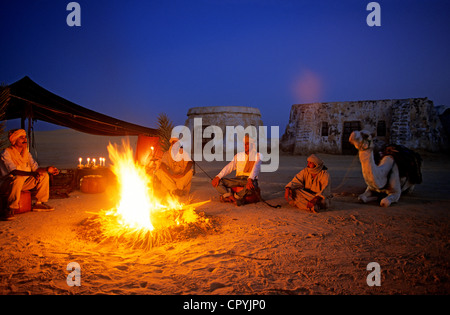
(256, 249)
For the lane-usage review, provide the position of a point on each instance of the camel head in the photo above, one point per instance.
(362, 140)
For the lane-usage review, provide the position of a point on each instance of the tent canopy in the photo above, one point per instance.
(28, 100)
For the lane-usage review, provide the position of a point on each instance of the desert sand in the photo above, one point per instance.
(256, 249)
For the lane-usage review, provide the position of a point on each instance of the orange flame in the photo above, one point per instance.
(138, 207)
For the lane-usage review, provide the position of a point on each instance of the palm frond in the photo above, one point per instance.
(165, 127)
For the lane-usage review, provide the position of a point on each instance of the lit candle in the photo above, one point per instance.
(93, 161)
(103, 161)
(79, 160)
(89, 161)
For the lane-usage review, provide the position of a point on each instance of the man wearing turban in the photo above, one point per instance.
(19, 171)
(310, 188)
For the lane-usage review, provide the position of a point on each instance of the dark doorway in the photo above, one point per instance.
(349, 127)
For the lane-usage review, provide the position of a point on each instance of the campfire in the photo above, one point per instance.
(141, 218)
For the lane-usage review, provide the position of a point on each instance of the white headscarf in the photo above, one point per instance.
(317, 162)
(15, 134)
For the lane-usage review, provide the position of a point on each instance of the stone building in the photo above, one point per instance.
(326, 127)
(444, 115)
(223, 116)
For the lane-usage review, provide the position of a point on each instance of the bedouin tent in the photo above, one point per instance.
(28, 100)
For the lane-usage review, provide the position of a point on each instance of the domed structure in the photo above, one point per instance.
(223, 116)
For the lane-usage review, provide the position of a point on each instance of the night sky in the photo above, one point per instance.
(136, 59)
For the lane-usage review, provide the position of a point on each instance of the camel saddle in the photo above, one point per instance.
(408, 161)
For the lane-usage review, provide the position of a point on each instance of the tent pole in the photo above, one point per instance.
(30, 136)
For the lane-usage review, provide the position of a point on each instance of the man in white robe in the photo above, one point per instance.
(247, 165)
(19, 171)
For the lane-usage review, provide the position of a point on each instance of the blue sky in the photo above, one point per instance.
(135, 59)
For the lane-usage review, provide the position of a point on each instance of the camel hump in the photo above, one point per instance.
(408, 161)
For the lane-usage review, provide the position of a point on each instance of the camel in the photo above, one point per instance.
(381, 178)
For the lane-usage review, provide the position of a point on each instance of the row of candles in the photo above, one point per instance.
(93, 162)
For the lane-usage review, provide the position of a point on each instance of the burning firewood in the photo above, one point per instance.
(140, 218)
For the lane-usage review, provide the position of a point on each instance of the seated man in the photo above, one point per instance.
(175, 172)
(310, 188)
(247, 165)
(20, 172)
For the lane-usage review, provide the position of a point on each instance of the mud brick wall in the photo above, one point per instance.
(324, 127)
(416, 124)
